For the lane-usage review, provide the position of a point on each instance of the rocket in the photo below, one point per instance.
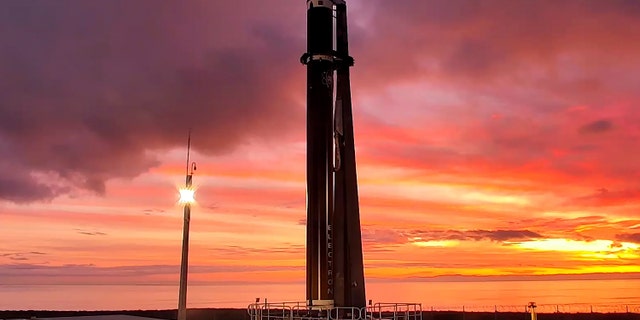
(335, 269)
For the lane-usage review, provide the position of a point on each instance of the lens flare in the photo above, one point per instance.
(187, 196)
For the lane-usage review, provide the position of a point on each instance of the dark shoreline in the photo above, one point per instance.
(241, 314)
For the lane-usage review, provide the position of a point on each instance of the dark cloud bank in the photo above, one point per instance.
(91, 89)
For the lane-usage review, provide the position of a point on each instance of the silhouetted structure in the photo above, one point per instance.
(335, 275)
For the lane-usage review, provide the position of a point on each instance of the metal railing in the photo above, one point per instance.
(541, 308)
(395, 311)
(414, 311)
(300, 311)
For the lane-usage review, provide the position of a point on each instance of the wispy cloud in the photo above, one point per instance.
(24, 273)
(598, 126)
(233, 250)
(631, 237)
(476, 235)
(385, 236)
(22, 256)
(90, 233)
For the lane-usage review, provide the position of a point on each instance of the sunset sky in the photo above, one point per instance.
(492, 137)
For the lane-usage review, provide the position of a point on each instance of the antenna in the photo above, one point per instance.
(188, 150)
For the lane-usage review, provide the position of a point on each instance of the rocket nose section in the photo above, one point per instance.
(319, 3)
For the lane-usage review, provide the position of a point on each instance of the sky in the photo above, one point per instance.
(493, 138)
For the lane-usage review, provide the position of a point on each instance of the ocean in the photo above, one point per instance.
(513, 296)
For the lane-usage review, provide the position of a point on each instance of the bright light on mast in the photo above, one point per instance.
(187, 196)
